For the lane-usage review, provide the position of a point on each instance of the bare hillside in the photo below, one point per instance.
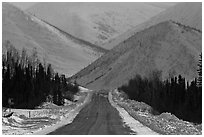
(67, 54)
(96, 22)
(189, 13)
(167, 47)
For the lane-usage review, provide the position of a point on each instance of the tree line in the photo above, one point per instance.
(28, 82)
(175, 95)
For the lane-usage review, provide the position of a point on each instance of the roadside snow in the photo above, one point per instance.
(44, 120)
(134, 125)
(164, 123)
(83, 89)
(67, 119)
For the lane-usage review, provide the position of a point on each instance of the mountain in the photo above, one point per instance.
(168, 48)
(189, 13)
(96, 22)
(66, 53)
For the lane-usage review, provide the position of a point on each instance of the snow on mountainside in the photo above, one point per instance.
(96, 22)
(167, 47)
(67, 55)
(189, 14)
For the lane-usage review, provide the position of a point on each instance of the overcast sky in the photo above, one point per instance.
(26, 5)
(23, 5)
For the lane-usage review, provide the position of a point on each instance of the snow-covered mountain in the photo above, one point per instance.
(189, 13)
(167, 48)
(96, 22)
(169, 42)
(66, 53)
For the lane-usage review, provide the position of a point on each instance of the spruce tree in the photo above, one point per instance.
(199, 81)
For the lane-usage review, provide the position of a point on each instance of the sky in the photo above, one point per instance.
(23, 5)
(26, 5)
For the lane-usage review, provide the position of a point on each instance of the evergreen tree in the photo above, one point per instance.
(28, 82)
(199, 83)
(174, 96)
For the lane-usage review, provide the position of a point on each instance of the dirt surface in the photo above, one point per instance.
(97, 118)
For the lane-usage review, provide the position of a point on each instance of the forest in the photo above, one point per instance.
(26, 82)
(175, 95)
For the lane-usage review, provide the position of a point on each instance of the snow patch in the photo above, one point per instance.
(83, 89)
(165, 123)
(17, 119)
(134, 125)
(48, 105)
(67, 102)
(64, 120)
(42, 121)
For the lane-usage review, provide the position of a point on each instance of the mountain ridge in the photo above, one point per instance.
(191, 11)
(24, 30)
(78, 40)
(162, 48)
(95, 22)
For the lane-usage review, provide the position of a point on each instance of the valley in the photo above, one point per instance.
(98, 68)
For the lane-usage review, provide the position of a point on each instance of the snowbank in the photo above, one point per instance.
(48, 105)
(83, 89)
(165, 123)
(42, 121)
(67, 119)
(134, 125)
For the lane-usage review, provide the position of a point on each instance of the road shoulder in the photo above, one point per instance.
(66, 120)
(128, 120)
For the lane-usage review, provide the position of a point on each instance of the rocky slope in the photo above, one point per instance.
(167, 47)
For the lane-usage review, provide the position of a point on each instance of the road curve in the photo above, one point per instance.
(96, 118)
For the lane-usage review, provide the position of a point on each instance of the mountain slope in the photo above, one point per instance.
(167, 47)
(189, 13)
(96, 22)
(67, 54)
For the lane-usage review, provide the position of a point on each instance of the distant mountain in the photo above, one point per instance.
(96, 22)
(189, 13)
(66, 53)
(169, 48)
